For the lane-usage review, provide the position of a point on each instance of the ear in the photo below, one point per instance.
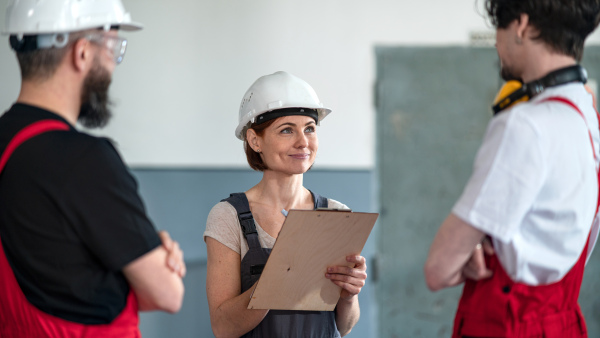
(82, 55)
(253, 139)
(522, 25)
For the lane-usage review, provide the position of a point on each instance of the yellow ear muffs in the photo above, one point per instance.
(515, 92)
(506, 95)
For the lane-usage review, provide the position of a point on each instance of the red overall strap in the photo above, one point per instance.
(28, 132)
(18, 317)
(500, 307)
(568, 102)
(572, 105)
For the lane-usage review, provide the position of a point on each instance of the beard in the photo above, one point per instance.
(95, 111)
(508, 74)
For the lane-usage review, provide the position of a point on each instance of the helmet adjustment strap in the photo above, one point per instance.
(28, 43)
(273, 114)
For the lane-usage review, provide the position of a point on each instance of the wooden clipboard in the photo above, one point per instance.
(308, 243)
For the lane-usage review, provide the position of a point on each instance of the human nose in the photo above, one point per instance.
(301, 141)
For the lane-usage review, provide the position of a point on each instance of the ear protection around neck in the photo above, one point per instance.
(529, 90)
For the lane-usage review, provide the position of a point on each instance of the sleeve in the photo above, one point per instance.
(222, 224)
(104, 207)
(333, 204)
(507, 176)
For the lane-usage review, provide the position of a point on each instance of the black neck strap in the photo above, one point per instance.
(556, 78)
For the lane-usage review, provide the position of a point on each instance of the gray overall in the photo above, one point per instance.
(277, 323)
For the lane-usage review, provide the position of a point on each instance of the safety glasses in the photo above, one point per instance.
(115, 44)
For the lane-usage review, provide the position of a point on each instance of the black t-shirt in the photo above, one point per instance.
(70, 220)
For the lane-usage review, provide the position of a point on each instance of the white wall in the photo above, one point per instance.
(180, 85)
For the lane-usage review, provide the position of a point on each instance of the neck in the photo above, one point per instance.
(281, 190)
(56, 94)
(541, 63)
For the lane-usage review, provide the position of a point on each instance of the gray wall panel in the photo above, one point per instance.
(433, 105)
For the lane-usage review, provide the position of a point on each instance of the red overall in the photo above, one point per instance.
(500, 307)
(18, 317)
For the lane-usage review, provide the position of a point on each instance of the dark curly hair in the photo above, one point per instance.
(562, 24)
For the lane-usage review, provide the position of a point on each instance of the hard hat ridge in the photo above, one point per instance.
(35, 17)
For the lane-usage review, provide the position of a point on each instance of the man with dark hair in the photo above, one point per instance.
(78, 254)
(532, 199)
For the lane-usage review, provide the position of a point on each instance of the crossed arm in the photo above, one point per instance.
(156, 277)
(455, 255)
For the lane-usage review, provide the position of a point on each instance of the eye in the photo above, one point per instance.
(287, 130)
(309, 129)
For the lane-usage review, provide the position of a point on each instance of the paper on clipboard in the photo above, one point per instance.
(308, 243)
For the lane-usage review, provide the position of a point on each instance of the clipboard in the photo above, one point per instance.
(310, 241)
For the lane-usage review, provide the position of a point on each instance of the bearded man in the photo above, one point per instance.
(78, 254)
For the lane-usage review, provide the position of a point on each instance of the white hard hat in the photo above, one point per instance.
(38, 17)
(276, 92)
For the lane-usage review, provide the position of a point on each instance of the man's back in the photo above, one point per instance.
(71, 220)
(537, 161)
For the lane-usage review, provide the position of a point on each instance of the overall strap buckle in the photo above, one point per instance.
(247, 223)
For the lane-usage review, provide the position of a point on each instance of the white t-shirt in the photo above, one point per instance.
(534, 185)
(223, 225)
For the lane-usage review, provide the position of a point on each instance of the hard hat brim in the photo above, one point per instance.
(125, 26)
(323, 112)
(131, 26)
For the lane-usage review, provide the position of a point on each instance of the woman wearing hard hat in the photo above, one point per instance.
(277, 122)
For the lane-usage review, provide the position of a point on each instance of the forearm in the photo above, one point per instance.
(439, 277)
(169, 299)
(347, 314)
(155, 285)
(449, 252)
(233, 318)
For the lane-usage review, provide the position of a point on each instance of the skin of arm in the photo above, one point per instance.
(229, 313)
(453, 253)
(351, 280)
(155, 284)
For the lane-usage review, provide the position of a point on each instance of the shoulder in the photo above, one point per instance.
(548, 116)
(96, 150)
(222, 211)
(520, 126)
(70, 155)
(78, 147)
(94, 157)
(222, 224)
(554, 104)
(222, 218)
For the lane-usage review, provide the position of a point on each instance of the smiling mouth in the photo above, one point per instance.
(300, 156)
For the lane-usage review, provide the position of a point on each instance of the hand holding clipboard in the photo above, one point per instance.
(309, 242)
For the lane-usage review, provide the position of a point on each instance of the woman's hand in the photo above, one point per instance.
(350, 279)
